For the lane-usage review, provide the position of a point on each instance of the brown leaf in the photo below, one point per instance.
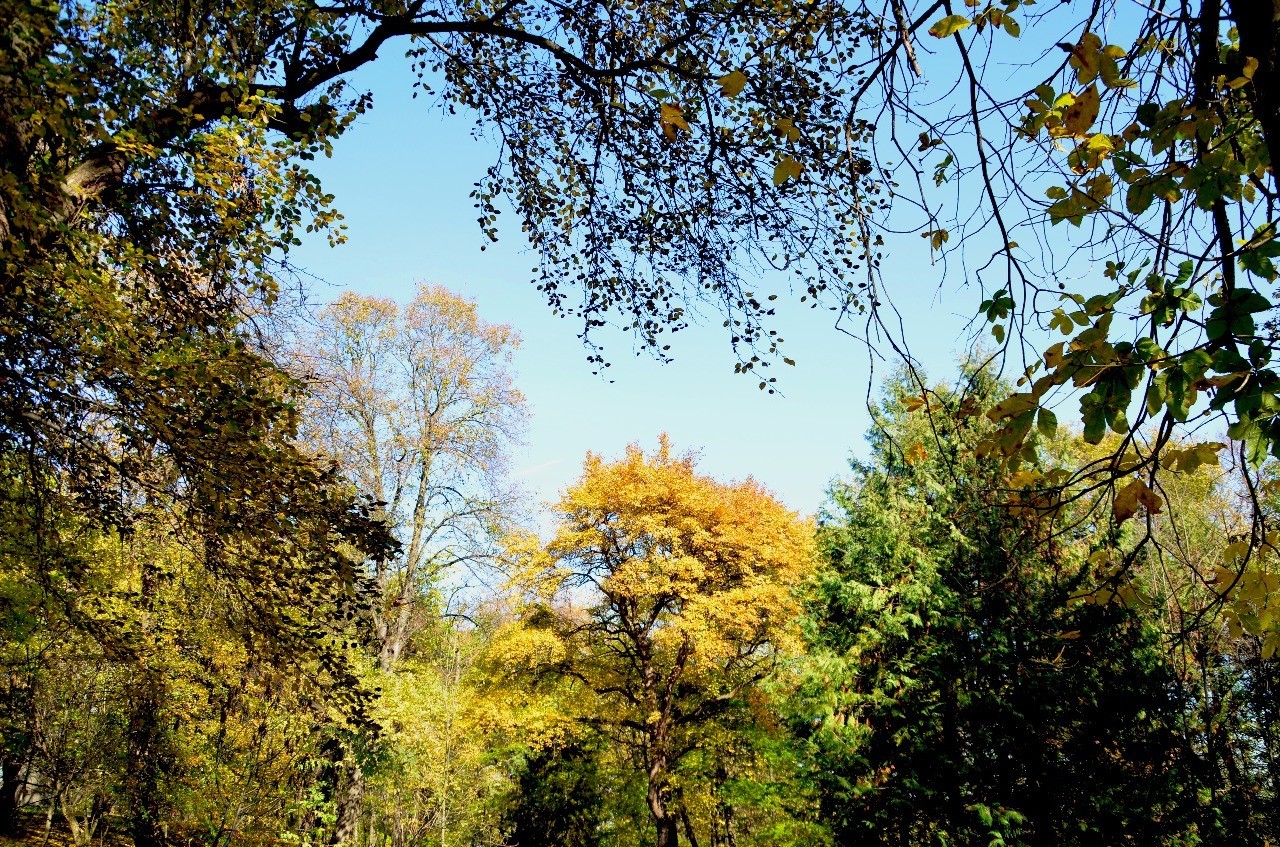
(1134, 495)
(1080, 115)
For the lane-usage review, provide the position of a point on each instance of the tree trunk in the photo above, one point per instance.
(350, 802)
(10, 780)
(1258, 22)
(663, 820)
(144, 765)
(145, 750)
(345, 784)
(668, 835)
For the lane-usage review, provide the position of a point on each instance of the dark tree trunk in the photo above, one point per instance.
(10, 781)
(668, 835)
(145, 765)
(147, 754)
(1258, 22)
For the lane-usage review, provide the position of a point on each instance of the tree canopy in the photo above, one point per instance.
(223, 549)
(688, 598)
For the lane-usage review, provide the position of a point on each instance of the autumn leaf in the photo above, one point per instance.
(916, 454)
(1078, 117)
(1014, 404)
(786, 128)
(1086, 57)
(1134, 495)
(949, 25)
(732, 83)
(672, 119)
(787, 169)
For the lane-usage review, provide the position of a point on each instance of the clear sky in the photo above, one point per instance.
(402, 178)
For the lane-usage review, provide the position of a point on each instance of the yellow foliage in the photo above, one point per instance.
(523, 647)
(662, 591)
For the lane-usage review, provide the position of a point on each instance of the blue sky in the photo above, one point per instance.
(402, 178)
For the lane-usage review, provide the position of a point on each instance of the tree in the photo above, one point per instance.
(1114, 200)
(682, 604)
(417, 405)
(138, 131)
(557, 799)
(950, 695)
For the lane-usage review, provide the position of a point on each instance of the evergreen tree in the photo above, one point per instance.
(952, 696)
(557, 801)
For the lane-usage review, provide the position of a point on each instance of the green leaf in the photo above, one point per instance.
(1047, 423)
(787, 169)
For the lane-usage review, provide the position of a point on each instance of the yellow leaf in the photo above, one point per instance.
(672, 119)
(787, 169)
(1081, 114)
(949, 25)
(732, 83)
(1086, 57)
(1250, 67)
(1023, 479)
(1053, 356)
(1014, 404)
(916, 454)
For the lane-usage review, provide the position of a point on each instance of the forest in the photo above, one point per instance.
(267, 576)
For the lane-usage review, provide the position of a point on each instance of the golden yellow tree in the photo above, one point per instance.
(674, 599)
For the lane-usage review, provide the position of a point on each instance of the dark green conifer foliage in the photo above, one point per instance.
(558, 801)
(952, 697)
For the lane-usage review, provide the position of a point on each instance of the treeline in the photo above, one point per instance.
(943, 659)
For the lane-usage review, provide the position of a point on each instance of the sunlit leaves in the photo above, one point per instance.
(1192, 457)
(949, 25)
(673, 597)
(1047, 423)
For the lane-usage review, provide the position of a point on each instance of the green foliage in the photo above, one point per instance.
(949, 696)
(557, 799)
